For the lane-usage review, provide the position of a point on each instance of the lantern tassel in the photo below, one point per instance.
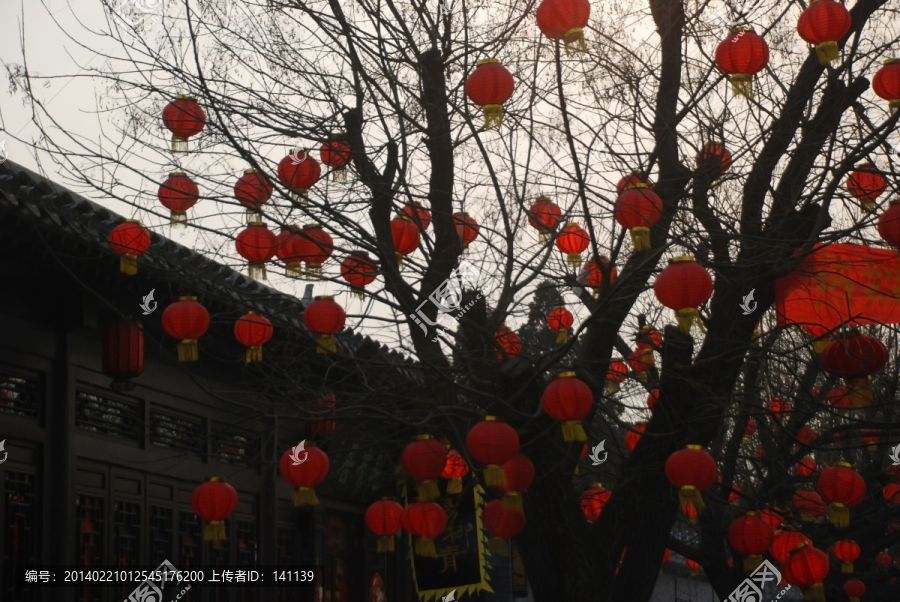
(868, 205)
(642, 376)
(399, 256)
(612, 386)
(298, 195)
(293, 269)
(313, 271)
(254, 354)
(188, 351)
(820, 344)
(640, 238)
(839, 515)
(816, 593)
(752, 562)
(688, 494)
(806, 517)
(562, 335)
(325, 343)
(425, 547)
(854, 599)
(859, 391)
(128, 264)
(512, 500)
(428, 491)
(358, 293)
(214, 531)
(828, 52)
(498, 546)
(454, 486)
(305, 496)
(385, 544)
(339, 174)
(687, 317)
(574, 40)
(179, 145)
(742, 85)
(574, 260)
(893, 105)
(257, 271)
(846, 567)
(494, 476)
(254, 216)
(178, 218)
(544, 236)
(493, 116)
(573, 431)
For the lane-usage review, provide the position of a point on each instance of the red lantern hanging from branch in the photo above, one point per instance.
(715, 149)
(289, 249)
(405, 235)
(855, 357)
(750, 537)
(253, 190)
(568, 399)
(424, 460)
(810, 505)
(572, 241)
(489, 86)
(253, 331)
(502, 522)
(637, 210)
(383, 518)
(592, 274)
(214, 501)
(299, 172)
(184, 117)
(866, 184)
(424, 520)
(616, 374)
(889, 224)
(855, 589)
(771, 517)
(130, 240)
(313, 247)
(807, 567)
(847, 551)
(303, 477)
(633, 437)
(466, 229)
(509, 343)
(325, 318)
(454, 470)
(560, 319)
(640, 361)
(870, 437)
(886, 83)
(358, 270)
(652, 399)
(543, 216)
(593, 500)
(187, 321)
(636, 179)
(684, 286)
(492, 443)
(336, 155)
(257, 244)
(519, 472)
(891, 493)
(842, 487)
(123, 352)
(806, 466)
(564, 20)
(693, 471)
(750, 428)
(178, 194)
(414, 210)
(742, 55)
(822, 24)
(785, 541)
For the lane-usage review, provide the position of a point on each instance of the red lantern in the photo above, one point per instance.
(684, 286)
(306, 475)
(652, 398)
(564, 20)
(866, 184)
(641, 360)
(519, 472)
(593, 500)
(637, 210)
(413, 210)
(806, 435)
(502, 522)
(130, 240)
(807, 567)
(253, 190)
(299, 172)
(424, 460)
(889, 224)
(123, 352)
(568, 399)
(544, 216)
(750, 537)
(883, 559)
(492, 443)
(742, 55)
(324, 404)
(870, 437)
(616, 374)
(325, 318)
(810, 505)
(778, 408)
(785, 541)
(253, 331)
(715, 149)
(855, 357)
(750, 429)
(846, 550)
(592, 274)
(257, 245)
(822, 24)
(891, 493)
(358, 270)
(842, 487)
(405, 235)
(454, 470)
(425, 520)
(214, 501)
(489, 86)
(838, 397)
(572, 241)
(314, 246)
(693, 565)
(289, 250)
(186, 320)
(855, 589)
(635, 179)
(178, 194)
(771, 517)
(648, 338)
(806, 466)
(692, 470)
(560, 319)
(509, 342)
(632, 437)
(336, 155)
(184, 118)
(383, 518)
(466, 228)
(886, 83)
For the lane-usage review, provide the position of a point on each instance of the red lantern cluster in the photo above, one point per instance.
(489, 86)
(637, 209)
(298, 172)
(178, 194)
(693, 471)
(572, 241)
(336, 154)
(253, 190)
(257, 244)
(564, 20)
(866, 184)
(214, 501)
(424, 520)
(492, 443)
(543, 216)
(383, 518)
(187, 321)
(424, 459)
(358, 270)
(684, 286)
(886, 83)
(750, 537)
(568, 399)
(593, 500)
(742, 55)
(325, 318)
(253, 331)
(130, 240)
(842, 487)
(184, 117)
(123, 352)
(855, 357)
(822, 24)
(303, 477)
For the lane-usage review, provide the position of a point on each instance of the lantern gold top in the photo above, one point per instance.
(185, 97)
(503, 327)
(325, 298)
(388, 498)
(414, 203)
(573, 224)
(486, 62)
(681, 259)
(492, 419)
(249, 171)
(891, 61)
(741, 28)
(700, 447)
(566, 374)
(560, 307)
(216, 479)
(512, 494)
(403, 217)
(187, 298)
(258, 225)
(543, 197)
(421, 437)
(311, 226)
(751, 513)
(596, 486)
(251, 313)
(133, 221)
(177, 174)
(460, 214)
(311, 444)
(844, 464)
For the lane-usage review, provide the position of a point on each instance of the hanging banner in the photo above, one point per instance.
(840, 284)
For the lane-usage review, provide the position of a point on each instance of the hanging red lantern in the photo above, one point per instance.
(289, 250)
(572, 241)
(383, 518)
(454, 470)
(253, 331)
(785, 541)
(405, 235)
(615, 374)
(492, 443)
(413, 210)
(253, 190)
(214, 501)
(889, 224)
(842, 487)
(489, 86)
(299, 172)
(592, 273)
(778, 408)
(810, 505)
(742, 55)
(186, 320)
(870, 437)
(123, 352)
(822, 24)
(466, 229)
(648, 338)
(424, 520)
(543, 216)
(866, 184)
(257, 245)
(847, 551)
(684, 286)
(838, 397)
(178, 194)
(323, 403)
(632, 437)
(693, 565)
(313, 247)
(652, 398)
(891, 493)
(358, 270)
(519, 472)
(424, 460)
(502, 522)
(564, 20)
(715, 149)
(509, 342)
(130, 240)
(855, 357)
(636, 179)
(750, 537)
(336, 154)
(883, 559)
(807, 567)
(325, 318)
(568, 399)
(750, 428)
(806, 466)
(886, 83)
(855, 589)
(593, 500)
(560, 319)
(692, 470)
(637, 210)
(771, 517)
(184, 117)
(640, 361)
(305, 476)
(806, 435)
